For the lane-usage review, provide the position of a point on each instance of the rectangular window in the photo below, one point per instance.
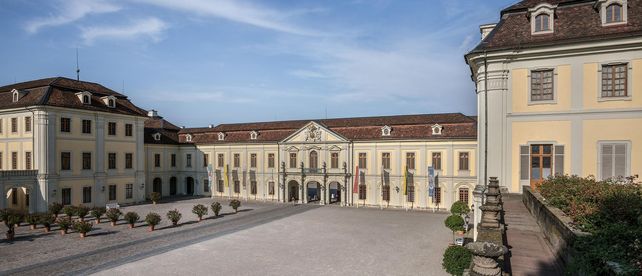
(129, 130)
(27, 124)
(65, 124)
(157, 160)
(66, 196)
(253, 187)
(524, 164)
(614, 80)
(363, 160)
(334, 160)
(14, 196)
(1, 161)
(411, 193)
(410, 160)
(14, 160)
(221, 185)
(271, 188)
(237, 160)
(188, 160)
(112, 192)
(1, 127)
(111, 161)
(542, 85)
(436, 160)
(129, 160)
(111, 128)
(129, 191)
(253, 160)
(86, 160)
(28, 160)
(65, 161)
(613, 160)
(541, 157)
(292, 159)
(221, 160)
(86, 126)
(86, 194)
(463, 195)
(14, 125)
(437, 199)
(385, 192)
(173, 160)
(237, 186)
(463, 161)
(385, 160)
(206, 185)
(270, 160)
(362, 191)
(206, 159)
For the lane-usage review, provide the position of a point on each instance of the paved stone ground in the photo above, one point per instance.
(324, 241)
(530, 253)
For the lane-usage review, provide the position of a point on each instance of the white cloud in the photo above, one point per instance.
(150, 27)
(239, 11)
(307, 74)
(71, 11)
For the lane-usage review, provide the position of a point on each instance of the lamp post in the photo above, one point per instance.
(466, 221)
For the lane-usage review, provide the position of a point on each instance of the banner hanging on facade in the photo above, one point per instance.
(431, 181)
(355, 185)
(210, 175)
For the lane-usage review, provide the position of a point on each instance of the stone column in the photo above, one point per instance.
(44, 150)
(478, 195)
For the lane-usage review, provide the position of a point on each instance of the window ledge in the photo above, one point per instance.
(542, 102)
(541, 32)
(610, 99)
(614, 24)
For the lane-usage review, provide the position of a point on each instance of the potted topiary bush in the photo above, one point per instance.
(459, 208)
(55, 208)
(152, 220)
(199, 210)
(98, 212)
(82, 212)
(456, 259)
(11, 220)
(83, 228)
(454, 223)
(131, 218)
(47, 219)
(69, 211)
(155, 197)
(174, 216)
(32, 219)
(216, 208)
(113, 215)
(235, 204)
(64, 223)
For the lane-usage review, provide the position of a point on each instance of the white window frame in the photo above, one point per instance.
(627, 143)
(221, 136)
(629, 81)
(106, 100)
(157, 136)
(15, 96)
(188, 138)
(386, 130)
(603, 4)
(436, 129)
(81, 95)
(540, 9)
(253, 135)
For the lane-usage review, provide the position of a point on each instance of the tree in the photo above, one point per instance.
(454, 223)
(456, 259)
(459, 208)
(235, 204)
(199, 210)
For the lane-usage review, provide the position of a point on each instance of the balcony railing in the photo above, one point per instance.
(14, 173)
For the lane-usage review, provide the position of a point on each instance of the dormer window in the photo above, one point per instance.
(436, 129)
(157, 136)
(612, 12)
(385, 131)
(253, 135)
(84, 97)
(188, 138)
(542, 19)
(109, 101)
(16, 95)
(221, 136)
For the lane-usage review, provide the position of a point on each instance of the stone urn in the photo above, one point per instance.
(490, 216)
(485, 256)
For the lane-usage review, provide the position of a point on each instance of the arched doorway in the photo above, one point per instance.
(17, 199)
(335, 192)
(313, 191)
(293, 191)
(189, 181)
(172, 186)
(157, 186)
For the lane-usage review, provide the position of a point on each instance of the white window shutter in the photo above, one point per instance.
(607, 161)
(524, 162)
(619, 160)
(559, 160)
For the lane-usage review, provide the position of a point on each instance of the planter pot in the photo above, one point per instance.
(32, 227)
(200, 219)
(151, 228)
(97, 221)
(47, 229)
(83, 235)
(63, 232)
(154, 202)
(131, 226)
(10, 235)
(174, 223)
(113, 223)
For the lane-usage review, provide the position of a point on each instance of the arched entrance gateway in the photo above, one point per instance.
(313, 191)
(157, 186)
(335, 192)
(189, 182)
(293, 191)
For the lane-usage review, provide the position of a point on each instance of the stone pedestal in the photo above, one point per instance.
(485, 256)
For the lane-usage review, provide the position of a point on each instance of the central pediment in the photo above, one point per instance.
(314, 132)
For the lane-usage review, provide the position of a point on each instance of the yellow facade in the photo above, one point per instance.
(622, 130)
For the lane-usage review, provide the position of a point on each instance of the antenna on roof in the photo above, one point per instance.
(123, 87)
(326, 111)
(77, 67)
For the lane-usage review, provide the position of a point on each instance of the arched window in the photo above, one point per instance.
(614, 13)
(542, 23)
(111, 103)
(85, 99)
(188, 138)
(314, 160)
(15, 96)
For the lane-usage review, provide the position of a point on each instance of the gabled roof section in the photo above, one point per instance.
(167, 130)
(60, 92)
(314, 132)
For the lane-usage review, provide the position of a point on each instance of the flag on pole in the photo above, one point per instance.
(227, 182)
(355, 187)
(405, 180)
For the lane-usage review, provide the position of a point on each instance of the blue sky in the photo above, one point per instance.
(201, 62)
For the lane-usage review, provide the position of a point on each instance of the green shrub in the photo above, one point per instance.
(81, 212)
(113, 215)
(459, 208)
(199, 210)
(235, 204)
(153, 219)
(456, 259)
(11, 220)
(82, 227)
(69, 210)
(131, 218)
(174, 216)
(46, 220)
(454, 223)
(155, 197)
(216, 208)
(98, 212)
(64, 223)
(32, 219)
(55, 208)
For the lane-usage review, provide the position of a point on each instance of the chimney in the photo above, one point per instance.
(152, 113)
(211, 126)
(486, 29)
